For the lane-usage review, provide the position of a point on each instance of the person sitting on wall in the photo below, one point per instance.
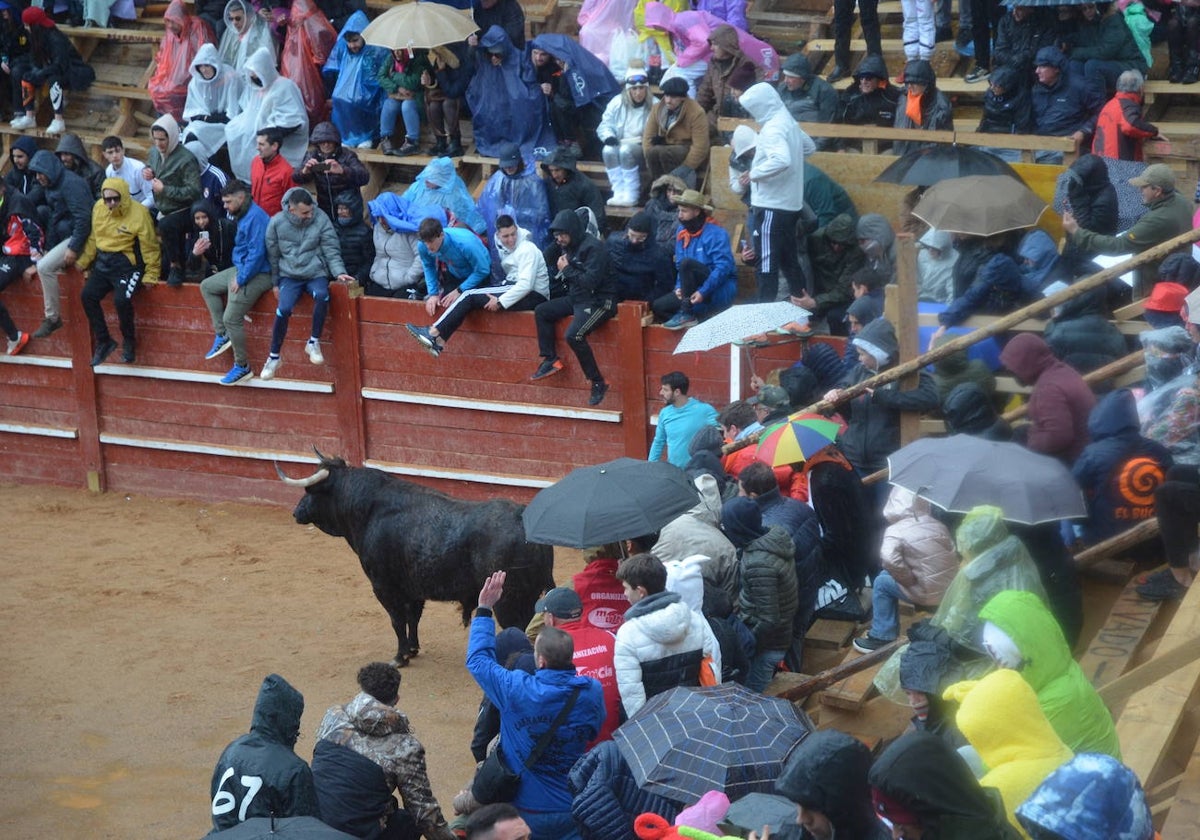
(706, 281)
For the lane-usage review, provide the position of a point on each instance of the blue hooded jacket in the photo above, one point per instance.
(450, 192)
(1089, 797)
(711, 247)
(463, 254)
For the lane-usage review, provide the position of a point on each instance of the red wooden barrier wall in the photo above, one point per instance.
(469, 422)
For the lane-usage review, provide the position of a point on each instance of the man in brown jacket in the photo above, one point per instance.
(728, 76)
(675, 140)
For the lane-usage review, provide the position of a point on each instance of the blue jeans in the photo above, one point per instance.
(290, 291)
(885, 618)
(551, 825)
(762, 668)
(407, 108)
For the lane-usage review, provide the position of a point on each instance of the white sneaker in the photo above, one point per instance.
(366, 144)
(23, 121)
(272, 365)
(313, 349)
(57, 126)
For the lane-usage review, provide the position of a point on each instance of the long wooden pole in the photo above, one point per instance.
(998, 326)
(839, 672)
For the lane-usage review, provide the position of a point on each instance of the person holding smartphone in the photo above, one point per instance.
(210, 246)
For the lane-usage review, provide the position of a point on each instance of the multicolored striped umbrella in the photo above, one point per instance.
(796, 439)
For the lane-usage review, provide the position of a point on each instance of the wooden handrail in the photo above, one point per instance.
(1000, 325)
(839, 672)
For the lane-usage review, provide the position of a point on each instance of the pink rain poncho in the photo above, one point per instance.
(690, 31)
(602, 20)
(184, 36)
(310, 38)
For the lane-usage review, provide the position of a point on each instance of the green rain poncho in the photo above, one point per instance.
(1069, 701)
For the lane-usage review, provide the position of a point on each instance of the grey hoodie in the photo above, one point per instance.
(303, 249)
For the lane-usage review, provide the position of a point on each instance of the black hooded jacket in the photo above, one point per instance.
(1081, 334)
(1010, 112)
(643, 272)
(85, 167)
(23, 180)
(70, 201)
(877, 107)
(827, 772)
(221, 233)
(968, 410)
(354, 236)
(589, 282)
(285, 783)
(924, 774)
(577, 191)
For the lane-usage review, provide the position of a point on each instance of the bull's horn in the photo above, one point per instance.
(319, 475)
(324, 459)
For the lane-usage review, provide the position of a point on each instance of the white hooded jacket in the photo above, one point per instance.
(524, 267)
(777, 173)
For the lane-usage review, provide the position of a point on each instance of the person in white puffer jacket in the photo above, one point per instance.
(776, 182)
(620, 131)
(662, 642)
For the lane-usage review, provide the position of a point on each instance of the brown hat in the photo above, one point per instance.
(694, 198)
(1156, 175)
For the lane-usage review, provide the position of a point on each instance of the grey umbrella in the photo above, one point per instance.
(608, 502)
(737, 322)
(959, 472)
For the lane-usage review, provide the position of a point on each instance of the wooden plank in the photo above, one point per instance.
(1115, 643)
(827, 633)
(1184, 817)
(854, 691)
(1150, 719)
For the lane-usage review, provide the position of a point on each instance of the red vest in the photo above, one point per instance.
(594, 658)
(603, 596)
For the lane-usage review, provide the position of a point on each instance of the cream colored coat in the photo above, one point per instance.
(917, 550)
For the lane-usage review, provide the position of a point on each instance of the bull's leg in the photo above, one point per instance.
(415, 610)
(398, 610)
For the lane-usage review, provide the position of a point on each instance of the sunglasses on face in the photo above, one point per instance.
(111, 199)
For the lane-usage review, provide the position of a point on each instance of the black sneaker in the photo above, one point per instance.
(837, 75)
(455, 147)
(103, 351)
(978, 74)
(1164, 588)
(128, 356)
(869, 644)
(174, 277)
(548, 367)
(410, 147)
(438, 148)
(599, 389)
(48, 326)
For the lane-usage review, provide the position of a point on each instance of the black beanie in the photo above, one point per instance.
(641, 222)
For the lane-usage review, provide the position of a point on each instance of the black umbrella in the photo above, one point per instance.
(926, 167)
(608, 502)
(284, 828)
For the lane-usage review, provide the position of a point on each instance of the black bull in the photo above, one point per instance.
(416, 544)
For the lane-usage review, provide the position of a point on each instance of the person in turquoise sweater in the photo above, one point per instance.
(681, 417)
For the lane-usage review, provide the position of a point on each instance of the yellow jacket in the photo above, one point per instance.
(1001, 718)
(116, 231)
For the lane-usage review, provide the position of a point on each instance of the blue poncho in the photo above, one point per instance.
(585, 76)
(357, 97)
(440, 185)
(523, 197)
(402, 215)
(505, 107)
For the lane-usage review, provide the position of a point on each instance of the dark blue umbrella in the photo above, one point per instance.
(688, 741)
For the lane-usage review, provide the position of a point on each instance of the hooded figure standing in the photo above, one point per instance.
(259, 774)
(214, 97)
(185, 34)
(122, 251)
(269, 101)
(776, 181)
(351, 70)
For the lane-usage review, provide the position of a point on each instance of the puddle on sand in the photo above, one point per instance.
(82, 793)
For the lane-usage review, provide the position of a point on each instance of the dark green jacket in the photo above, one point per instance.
(768, 599)
(1167, 218)
(392, 80)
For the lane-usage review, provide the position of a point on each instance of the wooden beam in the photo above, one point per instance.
(1151, 718)
(1145, 530)
(1184, 817)
(1109, 652)
(840, 672)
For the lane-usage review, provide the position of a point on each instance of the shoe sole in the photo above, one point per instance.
(212, 354)
(546, 375)
(682, 326)
(316, 359)
(421, 339)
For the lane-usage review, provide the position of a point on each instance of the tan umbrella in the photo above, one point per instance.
(419, 26)
(980, 205)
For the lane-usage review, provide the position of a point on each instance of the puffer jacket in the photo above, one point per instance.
(998, 288)
(23, 180)
(302, 249)
(827, 772)
(178, 170)
(777, 172)
(1000, 717)
(1068, 700)
(873, 430)
(85, 167)
(1090, 796)
(1082, 335)
(644, 271)
(326, 185)
(1008, 112)
(1106, 39)
(659, 646)
(1060, 402)
(381, 734)
(623, 119)
(608, 798)
(577, 191)
(125, 229)
(968, 410)
(698, 532)
(663, 212)
(917, 550)
(768, 600)
(354, 236)
(714, 91)
(688, 126)
(1119, 469)
(69, 199)
(267, 752)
